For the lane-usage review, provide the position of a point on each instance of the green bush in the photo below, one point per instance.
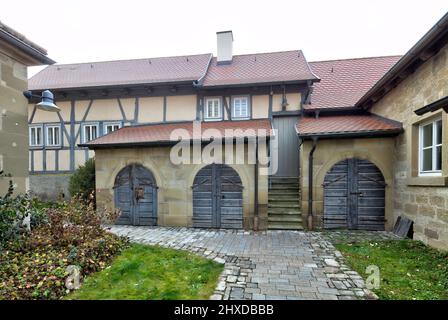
(82, 181)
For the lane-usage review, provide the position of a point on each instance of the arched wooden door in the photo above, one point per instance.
(217, 198)
(354, 196)
(135, 193)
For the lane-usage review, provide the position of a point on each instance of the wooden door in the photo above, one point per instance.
(217, 198)
(354, 196)
(136, 196)
(288, 146)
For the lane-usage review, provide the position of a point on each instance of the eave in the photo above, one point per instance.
(152, 143)
(29, 55)
(352, 134)
(422, 51)
(432, 107)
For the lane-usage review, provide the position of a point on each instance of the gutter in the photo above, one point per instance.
(353, 134)
(34, 53)
(436, 105)
(310, 183)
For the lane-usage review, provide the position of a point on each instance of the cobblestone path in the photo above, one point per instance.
(265, 265)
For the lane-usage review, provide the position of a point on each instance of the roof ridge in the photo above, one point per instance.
(359, 58)
(269, 52)
(125, 60)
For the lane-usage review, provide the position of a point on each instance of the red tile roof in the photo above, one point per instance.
(260, 68)
(346, 124)
(122, 72)
(344, 82)
(161, 133)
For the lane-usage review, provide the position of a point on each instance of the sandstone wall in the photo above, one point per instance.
(422, 199)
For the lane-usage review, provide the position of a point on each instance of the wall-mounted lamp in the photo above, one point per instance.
(47, 100)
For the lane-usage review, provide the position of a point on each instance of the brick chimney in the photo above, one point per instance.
(225, 47)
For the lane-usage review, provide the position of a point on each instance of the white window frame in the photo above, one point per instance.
(111, 123)
(241, 116)
(219, 116)
(433, 146)
(90, 124)
(36, 126)
(48, 135)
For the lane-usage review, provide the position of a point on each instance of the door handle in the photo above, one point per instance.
(361, 194)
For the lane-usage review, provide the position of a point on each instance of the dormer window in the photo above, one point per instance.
(240, 107)
(213, 109)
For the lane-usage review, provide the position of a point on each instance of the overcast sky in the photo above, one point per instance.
(95, 30)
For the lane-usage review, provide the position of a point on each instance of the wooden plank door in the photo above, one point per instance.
(230, 198)
(123, 196)
(288, 146)
(136, 196)
(145, 197)
(354, 196)
(217, 198)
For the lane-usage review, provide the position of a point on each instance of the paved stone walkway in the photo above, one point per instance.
(263, 265)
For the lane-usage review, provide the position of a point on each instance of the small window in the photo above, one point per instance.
(53, 136)
(36, 138)
(240, 107)
(213, 108)
(90, 132)
(430, 155)
(111, 126)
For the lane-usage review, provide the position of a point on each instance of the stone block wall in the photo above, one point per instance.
(422, 199)
(13, 124)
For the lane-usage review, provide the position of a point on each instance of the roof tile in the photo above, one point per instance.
(342, 124)
(260, 68)
(159, 133)
(122, 72)
(344, 82)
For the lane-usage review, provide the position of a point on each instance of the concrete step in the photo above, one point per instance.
(284, 226)
(294, 184)
(284, 198)
(282, 211)
(284, 179)
(285, 192)
(285, 213)
(285, 218)
(286, 205)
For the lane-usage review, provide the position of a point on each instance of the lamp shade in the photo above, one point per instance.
(47, 102)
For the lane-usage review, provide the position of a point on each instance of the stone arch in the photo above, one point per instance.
(320, 174)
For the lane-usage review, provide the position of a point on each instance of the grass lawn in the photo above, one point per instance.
(409, 269)
(152, 273)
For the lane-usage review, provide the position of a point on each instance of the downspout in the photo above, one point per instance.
(256, 220)
(310, 184)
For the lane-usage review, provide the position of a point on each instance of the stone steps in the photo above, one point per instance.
(285, 226)
(284, 204)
